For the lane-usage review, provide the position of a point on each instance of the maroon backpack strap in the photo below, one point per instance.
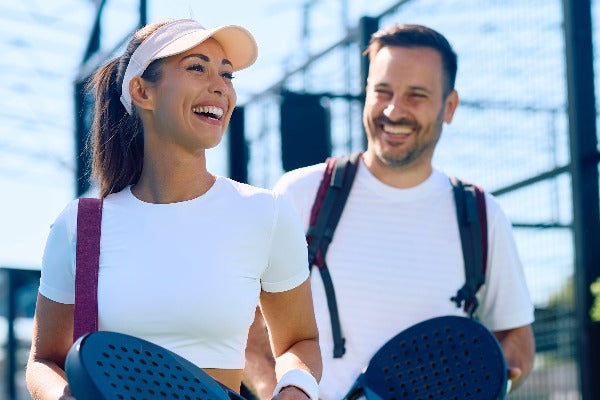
(336, 183)
(314, 254)
(326, 212)
(89, 218)
(325, 182)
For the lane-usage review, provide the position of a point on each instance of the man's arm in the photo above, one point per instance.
(294, 345)
(259, 374)
(294, 339)
(519, 351)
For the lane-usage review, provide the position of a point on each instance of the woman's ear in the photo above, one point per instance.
(141, 95)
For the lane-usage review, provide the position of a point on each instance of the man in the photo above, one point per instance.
(396, 256)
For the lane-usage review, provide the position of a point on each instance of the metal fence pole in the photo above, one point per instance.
(11, 343)
(584, 180)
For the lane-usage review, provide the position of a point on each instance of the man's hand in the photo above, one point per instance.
(259, 374)
(514, 374)
(519, 350)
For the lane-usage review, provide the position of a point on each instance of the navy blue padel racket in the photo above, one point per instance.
(112, 366)
(449, 357)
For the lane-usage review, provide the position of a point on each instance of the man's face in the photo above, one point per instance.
(405, 106)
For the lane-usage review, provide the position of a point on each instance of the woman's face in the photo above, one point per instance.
(194, 98)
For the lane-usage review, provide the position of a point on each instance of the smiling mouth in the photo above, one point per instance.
(211, 112)
(398, 130)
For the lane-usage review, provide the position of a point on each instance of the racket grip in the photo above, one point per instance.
(358, 394)
(357, 391)
(234, 396)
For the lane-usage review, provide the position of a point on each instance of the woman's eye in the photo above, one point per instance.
(196, 67)
(227, 75)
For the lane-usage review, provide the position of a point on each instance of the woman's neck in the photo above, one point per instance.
(170, 179)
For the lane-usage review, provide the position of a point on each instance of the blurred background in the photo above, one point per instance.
(525, 131)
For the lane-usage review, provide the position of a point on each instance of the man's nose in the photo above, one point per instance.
(395, 110)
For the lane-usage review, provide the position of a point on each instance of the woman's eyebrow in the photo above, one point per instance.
(206, 58)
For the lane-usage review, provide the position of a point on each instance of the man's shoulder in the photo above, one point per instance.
(492, 205)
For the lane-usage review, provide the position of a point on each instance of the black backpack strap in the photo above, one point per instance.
(472, 225)
(326, 212)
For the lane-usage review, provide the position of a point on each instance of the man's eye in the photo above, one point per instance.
(227, 75)
(381, 92)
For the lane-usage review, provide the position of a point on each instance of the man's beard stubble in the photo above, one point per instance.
(414, 153)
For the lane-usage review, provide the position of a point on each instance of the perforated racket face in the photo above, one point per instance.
(124, 367)
(453, 358)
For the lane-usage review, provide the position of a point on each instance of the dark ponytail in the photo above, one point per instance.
(116, 138)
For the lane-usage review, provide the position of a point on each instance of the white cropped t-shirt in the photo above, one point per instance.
(187, 275)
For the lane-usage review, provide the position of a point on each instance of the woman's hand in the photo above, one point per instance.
(67, 395)
(291, 393)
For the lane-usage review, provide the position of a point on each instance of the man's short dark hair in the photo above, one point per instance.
(406, 35)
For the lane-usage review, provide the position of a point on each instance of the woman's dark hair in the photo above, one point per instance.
(401, 35)
(116, 138)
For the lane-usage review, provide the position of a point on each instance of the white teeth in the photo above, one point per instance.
(216, 111)
(398, 129)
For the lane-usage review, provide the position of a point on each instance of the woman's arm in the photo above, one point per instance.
(293, 335)
(52, 337)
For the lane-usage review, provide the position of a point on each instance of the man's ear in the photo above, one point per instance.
(141, 95)
(451, 103)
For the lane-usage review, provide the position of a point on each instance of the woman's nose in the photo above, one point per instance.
(217, 84)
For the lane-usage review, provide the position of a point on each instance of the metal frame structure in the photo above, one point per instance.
(584, 179)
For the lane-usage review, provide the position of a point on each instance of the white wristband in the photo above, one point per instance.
(300, 379)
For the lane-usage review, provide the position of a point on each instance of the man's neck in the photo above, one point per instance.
(399, 177)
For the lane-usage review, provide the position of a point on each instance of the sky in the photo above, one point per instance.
(42, 45)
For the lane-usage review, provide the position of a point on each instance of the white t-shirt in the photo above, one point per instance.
(396, 260)
(187, 275)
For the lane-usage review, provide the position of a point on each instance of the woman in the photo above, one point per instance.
(185, 255)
